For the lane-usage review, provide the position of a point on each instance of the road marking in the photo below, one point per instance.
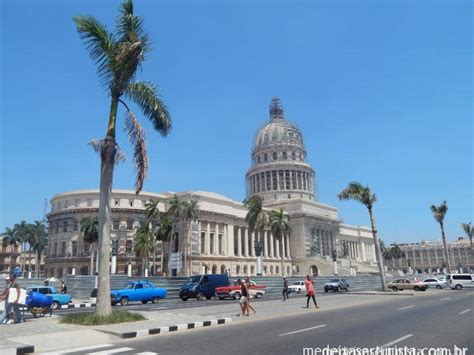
(399, 309)
(83, 348)
(444, 299)
(465, 311)
(146, 353)
(302, 330)
(397, 340)
(111, 351)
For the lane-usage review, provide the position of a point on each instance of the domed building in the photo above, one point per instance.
(220, 241)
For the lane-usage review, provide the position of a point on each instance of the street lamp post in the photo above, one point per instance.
(334, 259)
(258, 245)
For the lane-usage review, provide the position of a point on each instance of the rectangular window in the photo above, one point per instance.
(117, 202)
(293, 178)
(221, 249)
(115, 224)
(76, 202)
(212, 243)
(203, 242)
(65, 226)
(63, 248)
(274, 180)
(269, 186)
(129, 224)
(128, 246)
(76, 226)
(130, 203)
(236, 247)
(59, 205)
(66, 204)
(89, 202)
(304, 181)
(74, 248)
(299, 180)
(258, 183)
(287, 179)
(55, 249)
(262, 181)
(282, 179)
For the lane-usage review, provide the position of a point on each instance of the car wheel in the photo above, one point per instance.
(55, 305)
(438, 287)
(144, 302)
(208, 297)
(423, 289)
(124, 301)
(325, 290)
(347, 289)
(199, 296)
(458, 287)
(416, 288)
(394, 289)
(184, 298)
(222, 298)
(155, 300)
(338, 289)
(237, 296)
(299, 290)
(258, 295)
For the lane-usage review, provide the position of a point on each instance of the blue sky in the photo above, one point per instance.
(382, 91)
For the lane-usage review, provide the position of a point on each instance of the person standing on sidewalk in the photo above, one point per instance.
(285, 289)
(13, 308)
(249, 306)
(309, 284)
(243, 298)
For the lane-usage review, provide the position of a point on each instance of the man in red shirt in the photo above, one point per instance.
(309, 284)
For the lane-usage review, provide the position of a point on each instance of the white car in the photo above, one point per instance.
(297, 287)
(459, 281)
(434, 282)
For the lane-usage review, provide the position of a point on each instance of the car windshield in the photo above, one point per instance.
(194, 279)
(129, 286)
(297, 283)
(334, 280)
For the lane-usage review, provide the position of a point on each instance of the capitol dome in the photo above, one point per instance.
(279, 168)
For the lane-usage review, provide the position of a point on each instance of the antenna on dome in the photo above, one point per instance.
(276, 111)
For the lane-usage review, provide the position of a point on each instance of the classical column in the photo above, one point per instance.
(208, 239)
(364, 258)
(230, 239)
(288, 254)
(265, 244)
(277, 248)
(224, 240)
(246, 240)
(252, 242)
(271, 246)
(239, 241)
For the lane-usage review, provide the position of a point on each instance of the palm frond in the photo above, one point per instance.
(99, 42)
(128, 25)
(137, 138)
(144, 94)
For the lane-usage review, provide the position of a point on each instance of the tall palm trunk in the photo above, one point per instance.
(445, 246)
(92, 251)
(378, 252)
(281, 257)
(37, 263)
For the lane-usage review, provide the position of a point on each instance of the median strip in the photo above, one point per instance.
(303, 330)
(397, 341)
(444, 299)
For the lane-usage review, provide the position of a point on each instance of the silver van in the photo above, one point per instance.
(459, 281)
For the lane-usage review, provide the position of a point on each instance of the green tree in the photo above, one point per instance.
(257, 221)
(279, 223)
(90, 230)
(355, 191)
(39, 242)
(11, 238)
(175, 211)
(118, 56)
(164, 234)
(439, 212)
(143, 244)
(24, 233)
(152, 214)
(190, 213)
(469, 231)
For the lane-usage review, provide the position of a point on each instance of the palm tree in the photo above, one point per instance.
(11, 238)
(469, 231)
(143, 244)
(39, 243)
(152, 214)
(118, 56)
(279, 223)
(175, 211)
(257, 221)
(90, 229)
(164, 234)
(439, 212)
(355, 191)
(190, 213)
(396, 253)
(23, 231)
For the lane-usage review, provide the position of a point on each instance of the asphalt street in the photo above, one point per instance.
(437, 320)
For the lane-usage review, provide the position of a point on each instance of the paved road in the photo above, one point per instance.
(440, 319)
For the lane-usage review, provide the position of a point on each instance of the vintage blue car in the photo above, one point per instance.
(59, 299)
(143, 291)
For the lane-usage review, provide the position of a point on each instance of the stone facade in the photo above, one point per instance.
(220, 241)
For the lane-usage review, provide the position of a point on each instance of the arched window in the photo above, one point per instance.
(288, 270)
(271, 269)
(275, 155)
(245, 270)
(214, 269)
(223, 270)
(237, 270)
(277, 270)
(293, 155)
(252, 270)
(285, 156)
(265, 157)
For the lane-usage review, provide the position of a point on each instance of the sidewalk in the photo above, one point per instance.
(47, 335)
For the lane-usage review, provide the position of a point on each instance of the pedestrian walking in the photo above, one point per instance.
(244, 298)
(249, 306)
(13, 307)
(63, 287)
(285, 289)
(309, 284)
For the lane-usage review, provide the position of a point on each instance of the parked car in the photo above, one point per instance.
(201, 286)
(459, 281)
(143, 291)
(59, 299)
(234, 291)
(297, 287)
(434, 282)
(336, 285)
(406, 284)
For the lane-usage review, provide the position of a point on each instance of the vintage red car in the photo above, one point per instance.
(235, 291)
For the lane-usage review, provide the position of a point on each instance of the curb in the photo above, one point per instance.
(172, 328)
(78, 305)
